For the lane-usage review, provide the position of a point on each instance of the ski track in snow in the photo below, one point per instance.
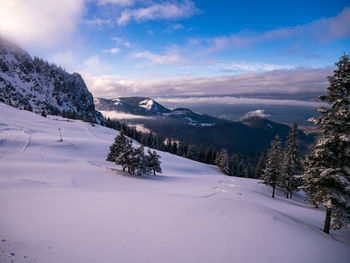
(62, 202)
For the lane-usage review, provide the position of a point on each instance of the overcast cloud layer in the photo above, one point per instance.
(298, 83)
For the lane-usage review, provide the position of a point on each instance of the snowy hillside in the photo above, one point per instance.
(62, 202)
(35, 84)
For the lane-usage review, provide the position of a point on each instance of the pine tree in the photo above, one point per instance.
(153, 162)
(273, 168)
(201, 155)
(191, 152)
(174, 147)
(292, 163)
(260, 166)
(235, 160)
(180, 148)
(209, 155)
(242, 169)
(327, 167)
(139, 163)
(124, 157)
(117, 147)
(226, 165)
(222, 159)
(250, 170)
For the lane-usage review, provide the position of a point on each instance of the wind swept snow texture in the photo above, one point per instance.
(62, 202)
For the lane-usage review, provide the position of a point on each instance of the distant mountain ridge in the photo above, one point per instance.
(249, 136)
(143, 106)
(36, 85)
(147, 107)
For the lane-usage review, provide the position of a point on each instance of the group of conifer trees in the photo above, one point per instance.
(234, 165)
(326, 176)
(283, 166)
(205, 154)
(133, 160)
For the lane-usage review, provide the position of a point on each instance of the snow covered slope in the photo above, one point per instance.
(62, 202)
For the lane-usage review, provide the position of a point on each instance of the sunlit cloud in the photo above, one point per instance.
(256, 113)
(41, 23)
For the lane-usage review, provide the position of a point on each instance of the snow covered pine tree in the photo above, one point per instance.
(292, 163)
(124, 157)
(273, 169)
(117, 147)
(327, 167)
(153, 163)
(139, 161)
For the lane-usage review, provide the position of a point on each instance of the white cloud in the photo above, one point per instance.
(116, 2)
(112, 50)
(122, 41)
(257, 113)
(249, 67)
(158, 59)
(97, 22)
(41, 23)
(169, 10)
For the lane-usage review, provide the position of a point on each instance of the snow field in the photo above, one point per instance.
(62, 202)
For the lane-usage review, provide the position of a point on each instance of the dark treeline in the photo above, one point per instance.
(231, 164)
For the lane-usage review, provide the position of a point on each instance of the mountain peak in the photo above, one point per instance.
(144, 106)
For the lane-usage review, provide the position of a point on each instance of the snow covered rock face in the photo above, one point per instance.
(36, 85)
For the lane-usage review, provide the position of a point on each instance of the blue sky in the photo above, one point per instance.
(186, 48)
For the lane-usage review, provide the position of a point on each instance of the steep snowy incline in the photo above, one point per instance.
(62, 202)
